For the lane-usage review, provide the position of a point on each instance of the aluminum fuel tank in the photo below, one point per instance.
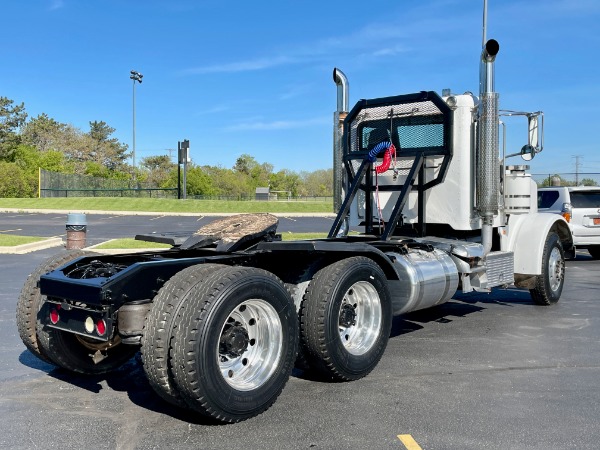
(425, 279)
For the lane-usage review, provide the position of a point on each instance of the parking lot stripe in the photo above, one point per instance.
(8, 231)
(409, 442)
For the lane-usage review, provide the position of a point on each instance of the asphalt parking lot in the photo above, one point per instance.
(483, 371)
(102, 227)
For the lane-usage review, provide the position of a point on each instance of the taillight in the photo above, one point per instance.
(54, 317)
(101, 327)
(566, 211)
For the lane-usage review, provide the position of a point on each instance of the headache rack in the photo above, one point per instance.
(419, 126)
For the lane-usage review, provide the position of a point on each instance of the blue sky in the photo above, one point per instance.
(238, 77)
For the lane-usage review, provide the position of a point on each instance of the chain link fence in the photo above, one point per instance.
(54, 184)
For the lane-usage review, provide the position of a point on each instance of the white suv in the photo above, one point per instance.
(580, 206)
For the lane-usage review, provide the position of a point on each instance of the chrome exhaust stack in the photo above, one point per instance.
(342, 90)
(339, 185)
(487, 144)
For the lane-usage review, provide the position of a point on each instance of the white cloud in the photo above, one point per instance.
(241, 66)
(277, 125)
(390, 51)
(56, 4)
(295, 91)
(371, 41)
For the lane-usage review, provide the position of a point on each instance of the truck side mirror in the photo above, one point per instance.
(527, 152)
(535, 141)
(535, 138)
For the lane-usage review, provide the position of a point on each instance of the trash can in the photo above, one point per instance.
(76, 229)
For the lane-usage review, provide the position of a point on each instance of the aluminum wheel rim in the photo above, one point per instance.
(255, 365)
(555, 269)
(360, 337)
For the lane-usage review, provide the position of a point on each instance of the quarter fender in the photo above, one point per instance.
(526, 235)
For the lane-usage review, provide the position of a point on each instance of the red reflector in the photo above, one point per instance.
(54, 316)
(101, 327)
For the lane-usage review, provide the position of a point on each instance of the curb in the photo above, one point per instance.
(33, 246)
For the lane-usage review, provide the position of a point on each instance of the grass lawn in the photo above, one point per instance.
(86, 204)
(10, 240)
(130, 243)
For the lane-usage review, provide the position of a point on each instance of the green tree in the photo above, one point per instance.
(12, 118)
(44, 133)
(14, 182)
(69, 140)
(227, 182)
(104, 149)
(556, 178)
(251, 173)
(589, 182)
(30, 159)
(95, 169)
(158, 169)
(318, 183)
(198, 182)
(286, 180)
(245, 164)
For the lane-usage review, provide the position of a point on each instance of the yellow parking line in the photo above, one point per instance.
(409, 442)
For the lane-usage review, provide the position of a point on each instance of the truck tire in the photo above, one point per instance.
(75, 353)
(346, 318)
(296, 283)
(235, 343)
(158, 329)
(549, 285)
(594, 251)
(30, 301)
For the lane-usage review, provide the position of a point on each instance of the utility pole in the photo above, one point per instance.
(577, 166)
(170, 150)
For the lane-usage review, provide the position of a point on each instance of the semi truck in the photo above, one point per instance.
(223, 316)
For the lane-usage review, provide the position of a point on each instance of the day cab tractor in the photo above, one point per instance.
(223, 316)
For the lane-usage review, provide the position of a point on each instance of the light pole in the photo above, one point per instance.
(135, 76)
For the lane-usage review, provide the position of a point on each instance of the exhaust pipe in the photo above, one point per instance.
(342, 89)
(488, 56)
(488, 143)
(339, 180)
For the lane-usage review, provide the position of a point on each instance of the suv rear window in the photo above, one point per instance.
(585, 199)
(547, 198)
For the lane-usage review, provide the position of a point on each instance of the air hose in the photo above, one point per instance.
(389, 149)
